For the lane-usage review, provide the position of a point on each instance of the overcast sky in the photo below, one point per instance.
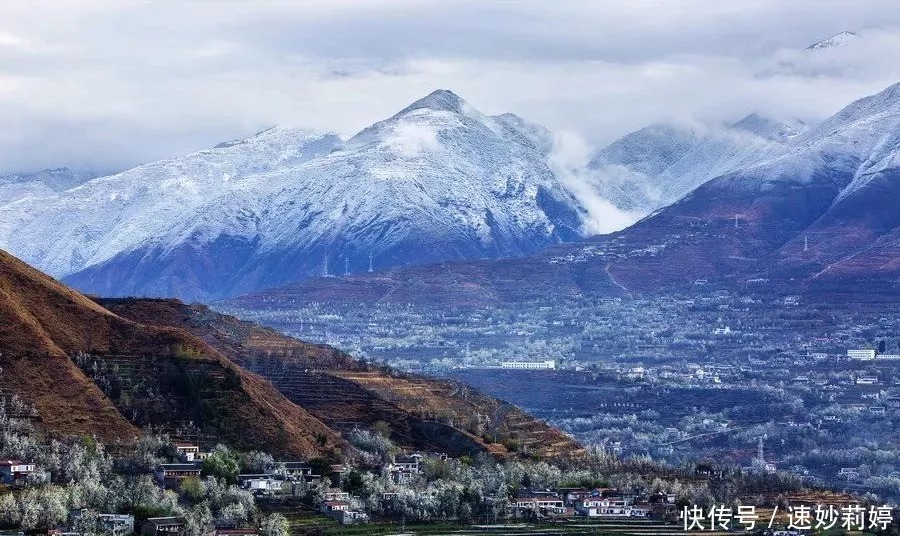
(108, 84)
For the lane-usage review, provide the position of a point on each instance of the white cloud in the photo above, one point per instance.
(569, 162)
(412, 139)
(109, 84)
(9, 39)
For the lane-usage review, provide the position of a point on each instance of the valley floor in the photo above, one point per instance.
(685, 379)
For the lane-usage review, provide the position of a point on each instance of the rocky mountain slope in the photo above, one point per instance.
(439, 180)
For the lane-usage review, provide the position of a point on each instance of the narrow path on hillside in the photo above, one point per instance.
(616, 283)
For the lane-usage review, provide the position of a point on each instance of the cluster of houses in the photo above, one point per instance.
(404, 468)
(287, 478)
(595, 503)
(294, 478)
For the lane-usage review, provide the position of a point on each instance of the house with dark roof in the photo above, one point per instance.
(15, 472)
(162, 526)
(170, 475)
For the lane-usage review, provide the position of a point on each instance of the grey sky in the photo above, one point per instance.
(108, 84)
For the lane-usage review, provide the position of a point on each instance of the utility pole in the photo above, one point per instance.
(346, 265)
(806, 243)
(325, 266)
(735, 221)
(371, 268)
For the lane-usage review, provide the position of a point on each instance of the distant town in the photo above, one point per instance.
(684, 379)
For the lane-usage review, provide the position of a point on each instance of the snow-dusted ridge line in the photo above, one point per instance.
(439, 180)
(836, 40)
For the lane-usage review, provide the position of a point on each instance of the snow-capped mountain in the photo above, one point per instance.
(819, 204)
(859, 231)
(15, 186)
(437, 181)
(657, 165)
(837, 40)
(626, 172)
(816, 214)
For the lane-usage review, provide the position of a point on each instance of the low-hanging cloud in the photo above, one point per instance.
(568, 159)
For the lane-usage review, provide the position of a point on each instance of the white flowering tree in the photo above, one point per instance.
(274, 524)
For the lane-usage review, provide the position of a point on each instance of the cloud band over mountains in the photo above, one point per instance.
(110, 84)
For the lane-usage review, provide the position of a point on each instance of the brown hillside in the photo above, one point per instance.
(422, 413)
(44, 324)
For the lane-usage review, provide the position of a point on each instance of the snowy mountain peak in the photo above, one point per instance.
(837, 40)
(649, 150)
(416, 129)
(440, 100)
(438, 181)
(659, 164)
(768, 128)
(277, 136)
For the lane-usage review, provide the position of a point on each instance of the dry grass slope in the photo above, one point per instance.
(342, 392)
(43, 323)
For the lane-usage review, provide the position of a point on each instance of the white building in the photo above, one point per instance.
(264, 484)
(861, 354)
(529, 365)
(187, 451)
(603, 507)
(890, 357)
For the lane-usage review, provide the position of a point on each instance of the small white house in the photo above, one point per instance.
(335, 506)
(187, 451)
(262, 484)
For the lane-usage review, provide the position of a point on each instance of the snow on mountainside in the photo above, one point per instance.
(861, 145)
(837, 40)
(439, 180)
(626, 171)
(15, 186)
(817, 214)
(67, 231)
(820, 205)
(848, 143)
(655, 166)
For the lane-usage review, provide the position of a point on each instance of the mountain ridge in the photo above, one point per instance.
(45, 324)
(438, 180)
(657, 165)
(811, 215)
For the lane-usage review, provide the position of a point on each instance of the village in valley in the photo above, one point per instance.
(160, 486)
(684, 379)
